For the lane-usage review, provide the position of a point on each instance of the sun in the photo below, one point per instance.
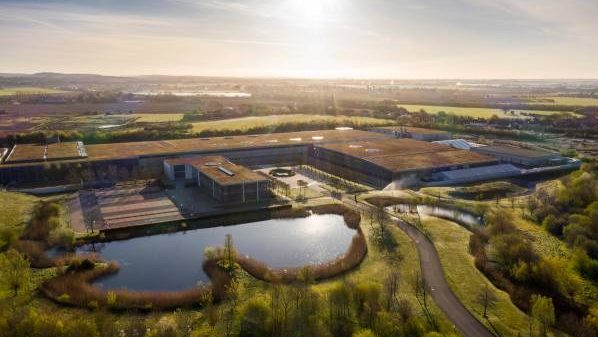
(310, 9)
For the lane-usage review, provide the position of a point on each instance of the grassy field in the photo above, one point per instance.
(251, 122)
(157, 118)
(28, 91)
(473, 112)
(451, 241)
(16, 208)
(576, 101)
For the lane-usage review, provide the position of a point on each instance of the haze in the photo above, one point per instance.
(303, 38)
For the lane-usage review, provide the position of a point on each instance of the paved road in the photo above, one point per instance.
(433, 276)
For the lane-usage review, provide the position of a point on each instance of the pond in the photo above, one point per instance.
(174, 261)
(461, 217)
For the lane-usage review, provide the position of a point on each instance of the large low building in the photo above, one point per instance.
(376, 159)
(520, 156)
(49, 164)
(380, 162)
(224, 180)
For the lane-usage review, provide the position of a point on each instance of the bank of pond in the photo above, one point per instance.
(167, 270)
(464, 216)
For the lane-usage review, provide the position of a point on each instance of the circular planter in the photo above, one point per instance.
(282, 173)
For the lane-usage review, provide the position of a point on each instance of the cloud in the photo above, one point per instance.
(569, 19)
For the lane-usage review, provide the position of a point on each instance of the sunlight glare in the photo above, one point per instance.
(311, 9)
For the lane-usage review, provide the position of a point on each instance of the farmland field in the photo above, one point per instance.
(251, 122)
(157, 118)
(474, 112)
(576, 101)
(29, 91)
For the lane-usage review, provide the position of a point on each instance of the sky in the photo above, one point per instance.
(401, 39)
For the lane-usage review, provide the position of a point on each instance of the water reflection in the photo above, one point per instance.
(174, 261)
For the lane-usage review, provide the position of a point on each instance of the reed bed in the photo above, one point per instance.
(35, 252)
(351, 259)
(75, 288)
(348, 261)
(385, 201)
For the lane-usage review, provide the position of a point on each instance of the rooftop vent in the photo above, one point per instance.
(372, 150)
(226, 171)
(355, 146)
(212, 163)
(317, 138)
(295, 139)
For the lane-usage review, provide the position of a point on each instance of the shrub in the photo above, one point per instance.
(63, 237)
(554, 225)
(509, 249)
(586, 266)
(64, 298)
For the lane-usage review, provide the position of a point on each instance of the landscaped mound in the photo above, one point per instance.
(497, 189)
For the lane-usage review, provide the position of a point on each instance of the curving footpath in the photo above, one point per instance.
(433, 276)
(444, 297)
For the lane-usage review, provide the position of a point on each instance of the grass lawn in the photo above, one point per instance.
(473, 112)
(16, 209)
(28, 91)
(376, 266)
(157, 118)
(260, 121)
(451, 241)
(308, 193)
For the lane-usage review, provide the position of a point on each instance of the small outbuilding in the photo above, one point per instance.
(224, 180)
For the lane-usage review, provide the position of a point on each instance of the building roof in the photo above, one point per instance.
(515, 151)
(413, 130)
(479, 173)
(461, 144)
(220, 169)
(23, 153)
(399, 155)
(33, 153)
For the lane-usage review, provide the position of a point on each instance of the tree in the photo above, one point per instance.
(14, 272)
(486, 299)
(340, 313)
(543, 312)
(256, 319)
(229, 255)
(391, 289)
(302, 185)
